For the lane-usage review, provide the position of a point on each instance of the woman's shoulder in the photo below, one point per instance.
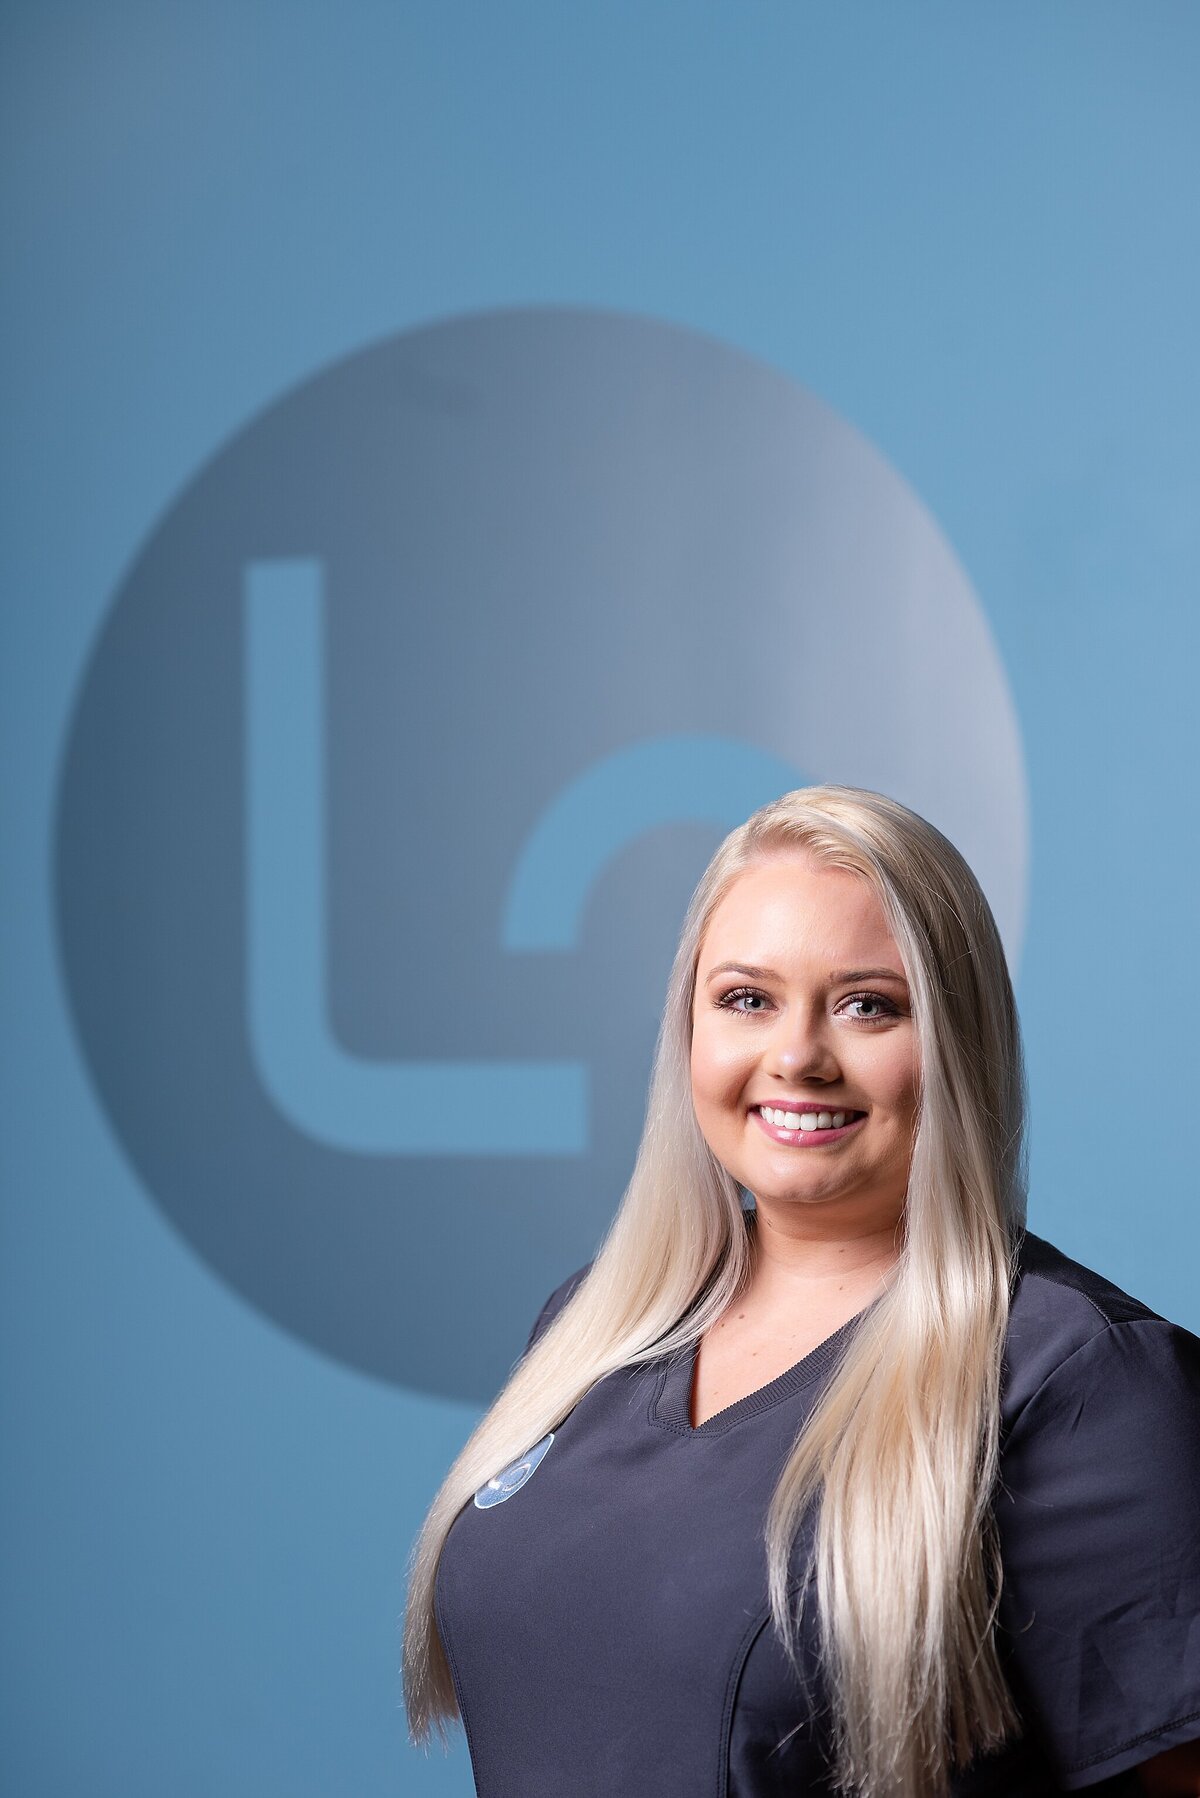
(1096, 1510)
(555, 1303)
(1066, 1317)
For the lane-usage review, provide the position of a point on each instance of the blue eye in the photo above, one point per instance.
(725, 1002)
(889, 1010)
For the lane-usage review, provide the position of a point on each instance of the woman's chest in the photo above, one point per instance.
(622, 1586)
(747, 1349)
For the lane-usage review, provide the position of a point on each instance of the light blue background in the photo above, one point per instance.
(971, 230)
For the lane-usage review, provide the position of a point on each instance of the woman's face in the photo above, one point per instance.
(810, 1020)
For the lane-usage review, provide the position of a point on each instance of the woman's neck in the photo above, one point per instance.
(789, 1257)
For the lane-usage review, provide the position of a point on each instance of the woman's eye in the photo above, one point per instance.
(728, 1001)
(883, 1008)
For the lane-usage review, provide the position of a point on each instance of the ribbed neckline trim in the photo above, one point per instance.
(672, 1402)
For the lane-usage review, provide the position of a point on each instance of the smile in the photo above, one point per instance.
(810, 1129)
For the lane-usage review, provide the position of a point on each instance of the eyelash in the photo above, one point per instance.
(725, 1003)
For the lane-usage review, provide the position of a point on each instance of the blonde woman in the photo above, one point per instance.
(858, 1487)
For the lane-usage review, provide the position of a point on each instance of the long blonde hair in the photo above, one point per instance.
(902, 1448)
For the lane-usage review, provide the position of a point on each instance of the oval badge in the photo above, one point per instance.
(510, 1479)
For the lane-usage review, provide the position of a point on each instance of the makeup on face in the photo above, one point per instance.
(804, 1058)
(806, 1127)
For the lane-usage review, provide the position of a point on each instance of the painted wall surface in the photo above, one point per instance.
(457, 462)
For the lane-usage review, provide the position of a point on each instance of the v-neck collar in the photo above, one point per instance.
(671, 1406)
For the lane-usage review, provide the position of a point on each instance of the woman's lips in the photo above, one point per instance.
(805, 1139)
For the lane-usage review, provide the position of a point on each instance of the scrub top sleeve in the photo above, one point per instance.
(554, 1305)
(1098, 1510)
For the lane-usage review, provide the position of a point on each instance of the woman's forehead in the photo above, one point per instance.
(796, 909)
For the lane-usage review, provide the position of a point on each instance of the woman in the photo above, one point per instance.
(863, 1488)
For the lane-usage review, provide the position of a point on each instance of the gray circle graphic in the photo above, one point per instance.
(403, 745)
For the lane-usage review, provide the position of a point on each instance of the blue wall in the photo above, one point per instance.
(957, 242)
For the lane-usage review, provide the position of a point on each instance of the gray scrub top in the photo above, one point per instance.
(603, 1602)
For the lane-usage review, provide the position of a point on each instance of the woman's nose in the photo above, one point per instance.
(801, 1045)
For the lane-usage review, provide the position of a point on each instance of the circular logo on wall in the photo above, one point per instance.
(404, 743)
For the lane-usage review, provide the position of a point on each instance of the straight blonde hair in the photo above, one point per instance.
(900, 1455)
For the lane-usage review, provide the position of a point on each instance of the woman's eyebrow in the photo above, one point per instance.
(838, 979)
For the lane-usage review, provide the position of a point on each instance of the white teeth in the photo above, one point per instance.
(803, 1120)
